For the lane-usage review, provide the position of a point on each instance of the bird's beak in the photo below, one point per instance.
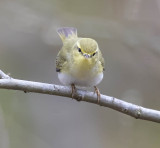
(86, 56)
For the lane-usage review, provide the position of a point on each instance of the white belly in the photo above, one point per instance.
(88, 80)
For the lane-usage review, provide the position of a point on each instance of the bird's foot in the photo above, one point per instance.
(96, 90)
(73, 90)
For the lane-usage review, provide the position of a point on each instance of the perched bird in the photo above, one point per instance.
(80, 61)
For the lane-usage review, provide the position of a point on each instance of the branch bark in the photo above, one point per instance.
(139, 112)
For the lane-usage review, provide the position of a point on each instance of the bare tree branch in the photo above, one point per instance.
(130, 109)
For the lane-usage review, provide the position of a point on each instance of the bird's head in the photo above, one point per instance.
(87, 47)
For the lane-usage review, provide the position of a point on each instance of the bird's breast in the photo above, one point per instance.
(83, 68)
(82, 72)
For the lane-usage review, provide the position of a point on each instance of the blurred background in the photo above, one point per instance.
(128, 33)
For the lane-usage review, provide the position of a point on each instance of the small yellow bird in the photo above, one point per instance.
(80, 61)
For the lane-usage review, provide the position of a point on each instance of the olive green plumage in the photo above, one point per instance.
(80, 60)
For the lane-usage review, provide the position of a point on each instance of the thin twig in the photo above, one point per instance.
(130, 109)
(3, 75)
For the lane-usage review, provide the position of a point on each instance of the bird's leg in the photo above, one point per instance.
(73, 90)
(96, 90)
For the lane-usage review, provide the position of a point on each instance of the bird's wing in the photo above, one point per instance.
(101, 59)
(60, 60)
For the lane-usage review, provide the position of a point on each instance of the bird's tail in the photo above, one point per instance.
(67, 32)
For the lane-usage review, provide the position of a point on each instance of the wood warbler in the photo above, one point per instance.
(80, 61)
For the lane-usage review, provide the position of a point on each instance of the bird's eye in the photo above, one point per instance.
(93, 53)
(79, 49)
